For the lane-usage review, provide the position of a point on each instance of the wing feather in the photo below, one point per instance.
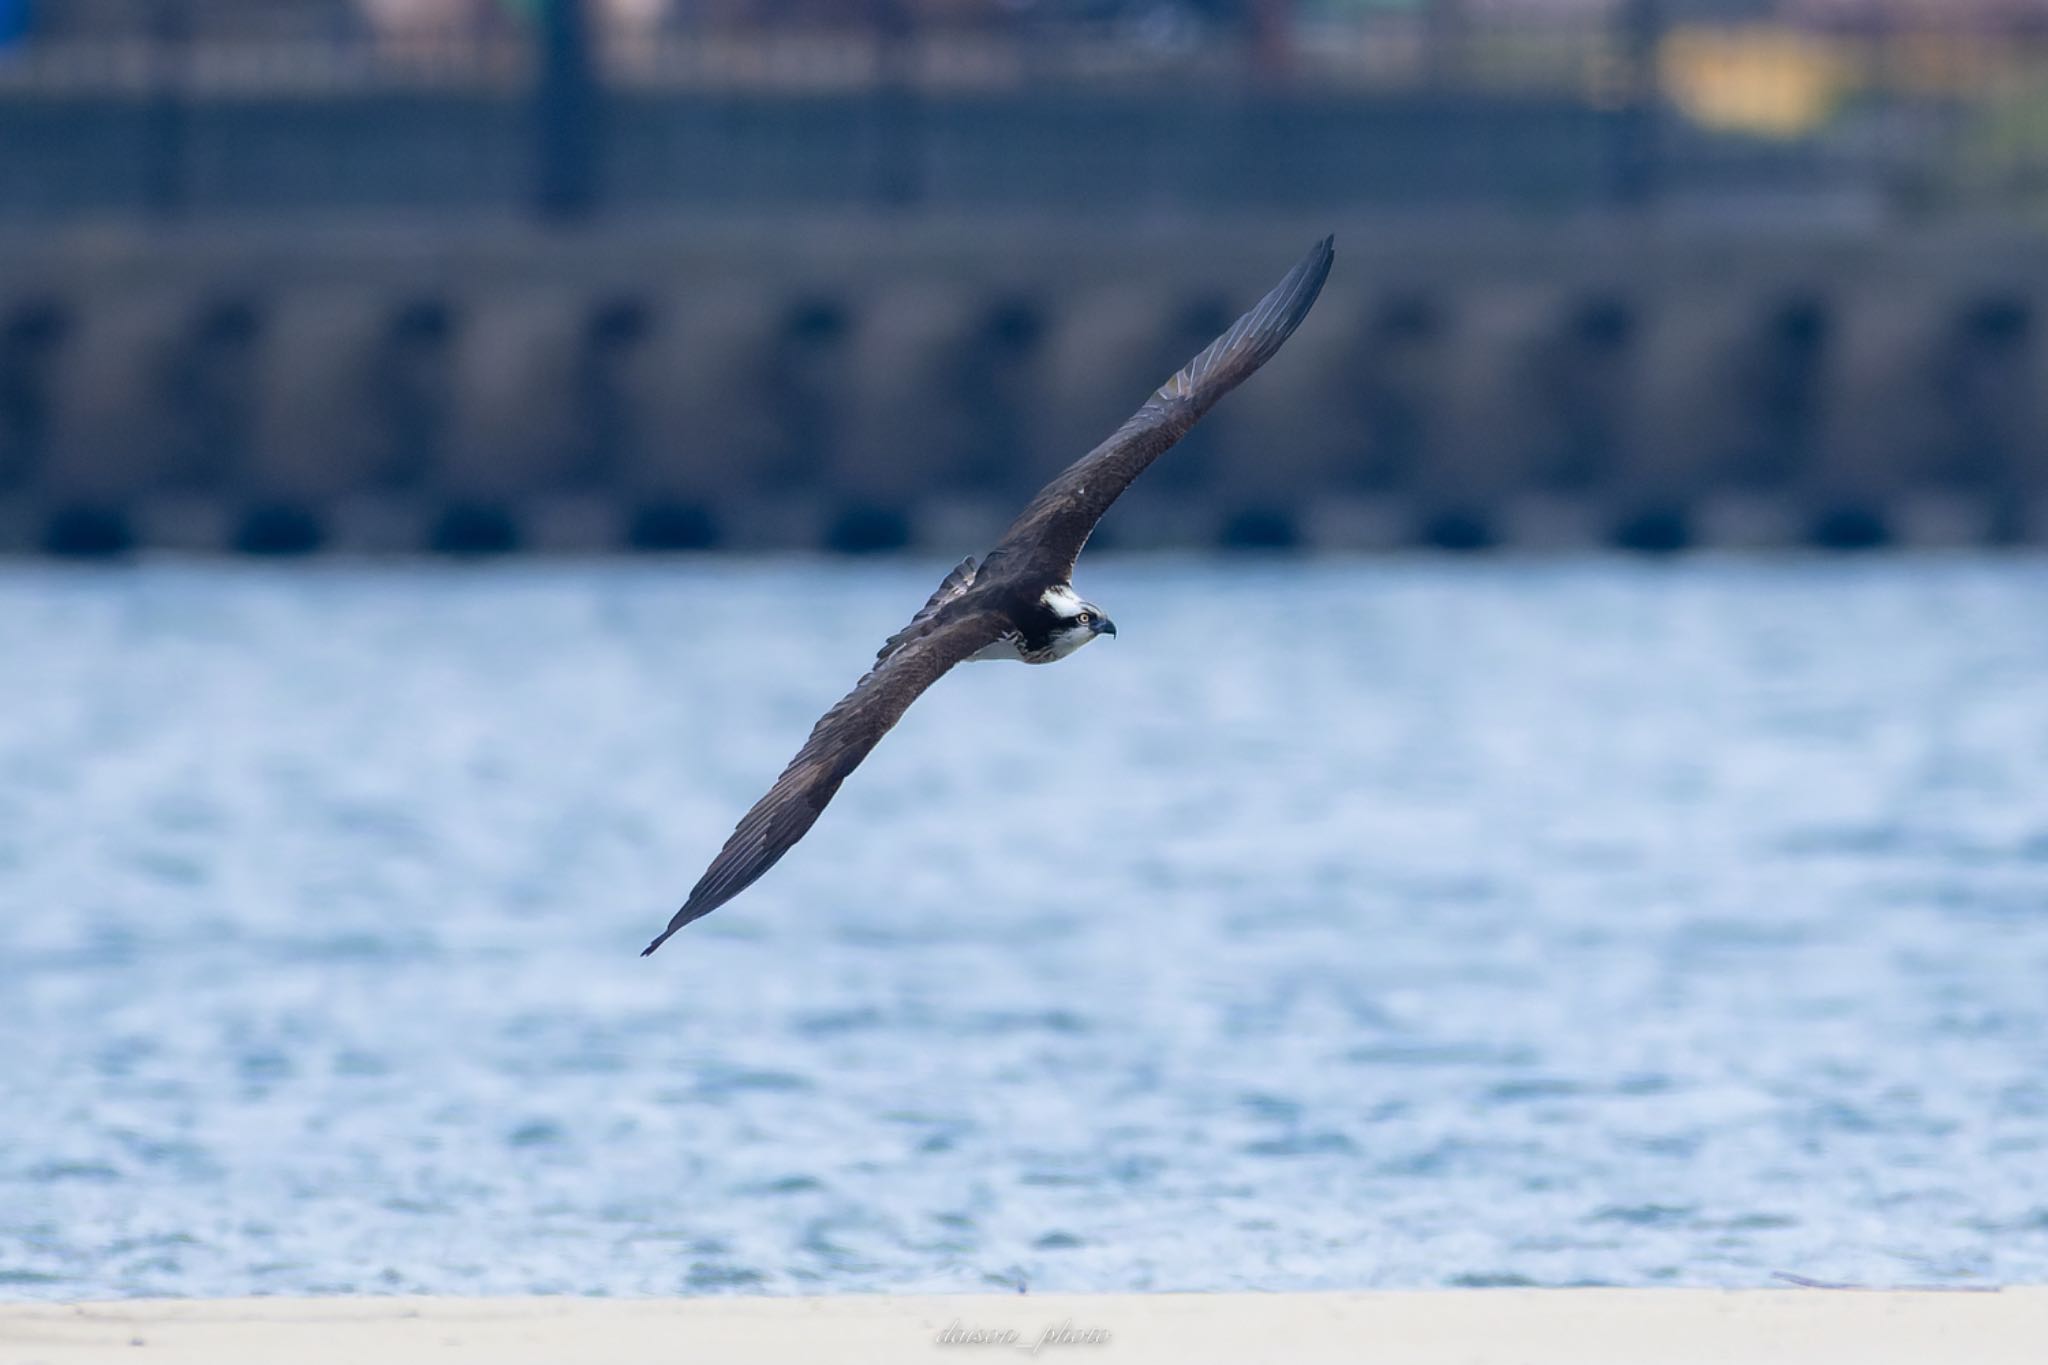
(843, 737)
(1049, 534)
(955, 585)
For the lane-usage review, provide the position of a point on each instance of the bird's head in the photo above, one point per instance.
(1076, 620)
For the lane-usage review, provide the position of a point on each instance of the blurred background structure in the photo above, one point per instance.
(482, 275)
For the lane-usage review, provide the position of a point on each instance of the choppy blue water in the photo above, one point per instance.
(1341, 925)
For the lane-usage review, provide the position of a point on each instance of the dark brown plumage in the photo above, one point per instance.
(1017, 603)
(1046, 538)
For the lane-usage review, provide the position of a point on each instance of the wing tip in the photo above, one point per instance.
(1256, 337)
(1280, 312)
(664, 936)
(1260, 333)
(1313, 270)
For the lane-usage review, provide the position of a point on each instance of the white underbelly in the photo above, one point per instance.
(1005, 648)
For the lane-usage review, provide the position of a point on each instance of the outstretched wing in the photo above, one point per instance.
(840, 740)
(1049, 534)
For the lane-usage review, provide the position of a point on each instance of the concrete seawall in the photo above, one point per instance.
(871, 385)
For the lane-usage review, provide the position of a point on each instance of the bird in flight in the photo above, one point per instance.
(1017, 603)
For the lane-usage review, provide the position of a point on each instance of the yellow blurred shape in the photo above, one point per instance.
(1772, 82)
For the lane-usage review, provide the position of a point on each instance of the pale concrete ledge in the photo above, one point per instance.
(1469, 1327)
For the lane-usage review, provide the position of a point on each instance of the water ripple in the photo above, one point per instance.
(1445, 925)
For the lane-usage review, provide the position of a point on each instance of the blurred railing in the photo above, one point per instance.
(111, 107)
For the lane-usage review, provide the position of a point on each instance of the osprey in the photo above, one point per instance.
(1017, 603)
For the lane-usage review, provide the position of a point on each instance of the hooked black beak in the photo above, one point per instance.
(1105, 626)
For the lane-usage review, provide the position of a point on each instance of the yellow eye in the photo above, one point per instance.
(1086, 618)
